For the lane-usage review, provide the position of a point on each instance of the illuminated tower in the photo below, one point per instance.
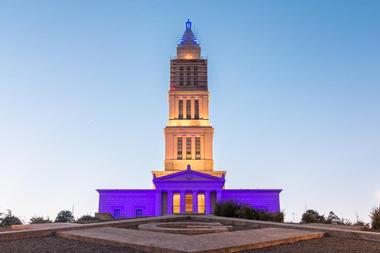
(189, 134)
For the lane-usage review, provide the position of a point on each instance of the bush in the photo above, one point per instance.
(243, 211)
(226, 209)
(9, 220)
(39, 220)
(87, 219)
(312, 216)
(64, 216)
(375, 218)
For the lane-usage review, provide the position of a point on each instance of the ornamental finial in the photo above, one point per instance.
(188, 24)
(188, 167)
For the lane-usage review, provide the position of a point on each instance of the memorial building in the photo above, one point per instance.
(188, 183)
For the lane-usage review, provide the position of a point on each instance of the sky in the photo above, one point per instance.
(295, 99)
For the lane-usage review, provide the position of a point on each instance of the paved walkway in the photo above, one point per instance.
(174, 243)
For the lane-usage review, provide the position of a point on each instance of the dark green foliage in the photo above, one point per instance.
(332, 218)
(87, 219)
(312, 216)
(227, 209)
(39, 220)
(64, 216)
(9, 220)
(375, 218)
(243, 211)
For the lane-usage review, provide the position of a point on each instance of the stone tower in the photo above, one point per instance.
(188, 134)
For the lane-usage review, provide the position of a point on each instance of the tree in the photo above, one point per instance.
(375, 218)
(312, 216)
(9, 220)
(333, 219)
(64, 216)
(39, 220)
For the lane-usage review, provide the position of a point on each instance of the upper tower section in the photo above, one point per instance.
(188, 71)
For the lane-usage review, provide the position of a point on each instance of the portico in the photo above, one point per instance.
(187, 191)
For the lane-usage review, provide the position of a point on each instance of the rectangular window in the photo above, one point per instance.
(188, 148)
(180, 109)
(179, 148)
(138, 212)
(189, 202)
(188, 109)
(196, 109)
(197, 148)
(176, 203)
(117, 213)
(201, 203)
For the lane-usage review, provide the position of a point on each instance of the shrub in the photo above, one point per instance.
(312, 216)
(87, 219)
(64, 216)
(243, 211)
(39, 220)
(375, 218)
(226, 209)
(9, 220)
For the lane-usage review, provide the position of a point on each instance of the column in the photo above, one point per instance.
(170, 202)
(193, 147)
(218, 196)
(183, 150)
(158, 203)
(176, 112)
(207, 202)
(195, 202)
(183, 202)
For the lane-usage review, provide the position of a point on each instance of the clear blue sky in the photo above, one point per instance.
(295, 99)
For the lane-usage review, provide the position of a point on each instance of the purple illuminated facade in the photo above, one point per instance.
(189, 183)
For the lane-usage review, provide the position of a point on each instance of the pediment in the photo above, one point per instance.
(189, 175)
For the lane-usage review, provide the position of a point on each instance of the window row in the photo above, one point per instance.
(189, 149)
(188, 109)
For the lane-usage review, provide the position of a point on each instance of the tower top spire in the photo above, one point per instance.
(188, 37)
(188, 24)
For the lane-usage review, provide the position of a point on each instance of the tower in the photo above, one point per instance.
(188, 134)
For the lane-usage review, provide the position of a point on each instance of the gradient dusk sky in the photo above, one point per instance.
(295, 99)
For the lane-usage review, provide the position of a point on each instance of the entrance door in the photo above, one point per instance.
(176, 203)
(201, 203)
(189, 202)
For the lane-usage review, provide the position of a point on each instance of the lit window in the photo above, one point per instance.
(189, 202)
(201, 203)
(179, 148)
(188, 148)
(176, 203)
(180, 109)
(196, 109)
(188, 109)
(197, 148)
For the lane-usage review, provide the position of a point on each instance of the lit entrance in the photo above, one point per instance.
(189, 203)
(201, 203)
(176, 203)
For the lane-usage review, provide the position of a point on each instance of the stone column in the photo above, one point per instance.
(183, 149)
(195, 202)
(207, 202)
(183, 202)
(158, 203)
(218, 196)
(170, 202)
(193, 147)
